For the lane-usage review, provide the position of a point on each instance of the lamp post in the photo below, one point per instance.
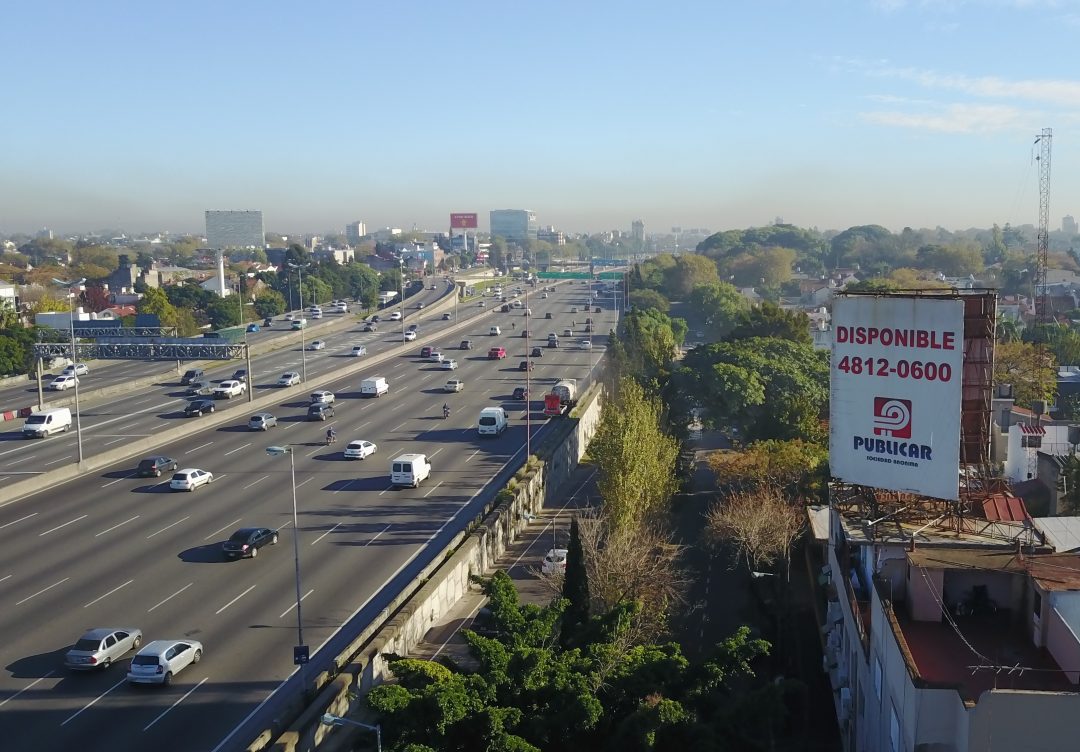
(329, 719)
(247, 350)
(74, 359)
(528, 379)
(303, 321)
(277, 451)
(401, 301)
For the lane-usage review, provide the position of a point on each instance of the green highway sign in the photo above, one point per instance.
(564, 275)
(610, 275)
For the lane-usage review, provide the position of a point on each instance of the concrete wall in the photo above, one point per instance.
(424, 603)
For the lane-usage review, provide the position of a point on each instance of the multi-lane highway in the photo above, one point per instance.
(110, 421)
(115, 550)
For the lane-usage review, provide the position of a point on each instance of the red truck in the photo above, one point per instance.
(553, 405)
(497, 353)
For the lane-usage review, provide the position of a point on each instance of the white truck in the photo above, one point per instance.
(567, 391)
(409, 470)
(386, 296)
(40, 424)
(376, 386)
(229, 389)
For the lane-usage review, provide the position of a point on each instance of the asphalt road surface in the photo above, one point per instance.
(109, 421)
(112, 549)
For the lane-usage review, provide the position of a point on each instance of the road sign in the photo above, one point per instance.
(610, 275)
(564, 275)
(300, 655)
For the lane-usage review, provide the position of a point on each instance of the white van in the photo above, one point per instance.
(409, 470)
(376, 386)
(494, 331)
(44, 423)
(492, 422)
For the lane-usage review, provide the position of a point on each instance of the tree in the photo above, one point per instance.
(636, 459)
(794, 466)
(186, 323)
(688, 272)
(650, 341)
(720, 307)
(1030, 369)
(96, 297)
(155, 302)
(223, 312)
(497, 253)
(761, 525)
(390, 281)
(645, 298)
(270, 303)
(13, 355)
(770, 320)
(575, 588)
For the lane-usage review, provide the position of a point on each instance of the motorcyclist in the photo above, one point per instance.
(331, 435)
(446, 410)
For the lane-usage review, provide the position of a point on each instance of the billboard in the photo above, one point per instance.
(463, 221)
(895, 393)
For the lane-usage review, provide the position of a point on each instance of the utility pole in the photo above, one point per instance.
(1043, 314)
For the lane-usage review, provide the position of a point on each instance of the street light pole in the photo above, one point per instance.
(74, 361)
(275, 451)
(303, 321)
(329, 719)
(401, 302)
(528, 379)
(247, 350)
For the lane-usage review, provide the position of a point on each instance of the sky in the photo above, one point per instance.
(822, 113)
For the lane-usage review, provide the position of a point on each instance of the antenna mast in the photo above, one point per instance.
(1043, 314)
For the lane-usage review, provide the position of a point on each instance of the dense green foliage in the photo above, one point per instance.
(528, 693)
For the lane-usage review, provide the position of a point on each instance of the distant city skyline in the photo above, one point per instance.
(829, 114)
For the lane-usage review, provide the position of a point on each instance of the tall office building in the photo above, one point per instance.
(637, 231)
(235, 229)
(354, 231)
(513, 224)
(1068, 225)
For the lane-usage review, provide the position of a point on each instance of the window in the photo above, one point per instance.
(894, 730)
(877, 677)
(1037, 600)
(1031, 442)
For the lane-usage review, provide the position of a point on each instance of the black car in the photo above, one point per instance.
(375, 319)
(525, 365)
(197, 408)
(547, 315)
(588, 328)
(153, 467)
(320, 411)
(199, 388)
(192, 374)
(370, 328)
(520, 393)
(537, 352)
(240, 374)
(246, 542)
(466, 344)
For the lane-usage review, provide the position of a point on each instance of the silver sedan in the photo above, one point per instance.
(98, 648)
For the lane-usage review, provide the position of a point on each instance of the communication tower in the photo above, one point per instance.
(1043, 314)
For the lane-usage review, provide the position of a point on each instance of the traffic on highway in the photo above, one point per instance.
(184, 559)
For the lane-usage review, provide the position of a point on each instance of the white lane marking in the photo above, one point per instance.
(290, 608)
(91, 704)
(29, 686)
(291, 425)
(50, 587)
(316, 451)
(69, 522)
(433, 489)
(170, 597)
(388, 488)
(335, 527)
(234, 600)
(226, 526)
(306, 481)
(27, 459)
(102, 597)
(110, 529)
(249, 485)
(111, 482)
(376, 536)
(162, 530)
(5, 577)
(472, 455)
(115, 441)
(365, 423)
(9, 524)
(399, 425)
(123, 428)
(62, 459)
(234, 451)
(436, 451)
(145, 399)
(201, 446)
(166, 710)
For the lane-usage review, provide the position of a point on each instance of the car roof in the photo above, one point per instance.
(159, 646)
(246, 531)
(99, 632)
(189, 470)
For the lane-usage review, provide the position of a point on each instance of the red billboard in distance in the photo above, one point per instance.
(463, 221)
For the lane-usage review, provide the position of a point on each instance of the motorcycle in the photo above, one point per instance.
(446, 413)
(330, 438)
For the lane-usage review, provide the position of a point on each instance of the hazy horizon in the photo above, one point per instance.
(826, 113)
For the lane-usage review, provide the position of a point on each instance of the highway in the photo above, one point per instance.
(111, 373)
(114, 550)
(109, 421)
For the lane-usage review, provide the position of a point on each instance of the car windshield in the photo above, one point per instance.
(180, 476)
(147, 464)
(87, 645)
(487, 421)
(240, 536)
(35, 420)
(144, 660)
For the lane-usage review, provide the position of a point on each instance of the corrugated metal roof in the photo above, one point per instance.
(1004, 507)
(1032, 430)
(1063, 533)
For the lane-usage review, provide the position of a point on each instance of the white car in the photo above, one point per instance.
(79, 369)
(359, 350)
(410, 335)
(395, 316)
(449, 365)
(544, 296)
(316, 344)
(358, 450)
(585, 344)
(63, 383)
(480, 304)
(189, 479)
(228, 389)
(289, 378)
(454, 385)
(322, 398)
(555, 561)
(435, 356)
(160, 660)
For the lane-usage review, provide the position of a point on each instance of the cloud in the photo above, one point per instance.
(890, 6)
(957, 118)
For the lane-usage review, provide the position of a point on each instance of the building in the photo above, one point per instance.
(354, 231)
(513, 224)
(1068, 225)
(947, 632)
(340, 255)
(234, 229)
(9, 297)
(637, 232)
(550, 235)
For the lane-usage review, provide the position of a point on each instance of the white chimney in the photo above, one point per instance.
(221, 273)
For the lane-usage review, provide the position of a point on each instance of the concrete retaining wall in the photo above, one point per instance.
(435, 591)
(188, 427)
